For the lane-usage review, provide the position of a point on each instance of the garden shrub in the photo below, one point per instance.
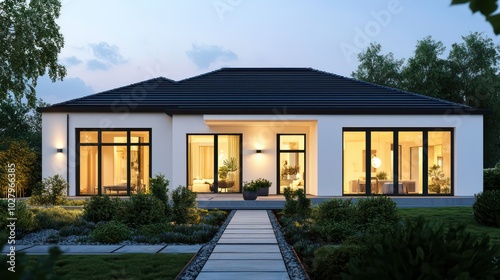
(184, 209)
(417, 249)
(376, 211)
(55, 217)
(110, 232)
(190, 234)
(101, 208)
(212, 217)
(491, 178)
(141, 209)
(52, 191)
(153, 230)
(25, 222)
(335, 209)
(487, 208)
(296, 203)
(158, 186)
(334, 232)
(330, 261)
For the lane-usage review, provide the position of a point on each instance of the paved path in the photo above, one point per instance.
(246, 250)
(106, 249)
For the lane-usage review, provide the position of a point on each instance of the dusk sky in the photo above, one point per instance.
(114, 43)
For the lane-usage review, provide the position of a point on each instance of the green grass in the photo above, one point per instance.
(454, 215)
(126, 266)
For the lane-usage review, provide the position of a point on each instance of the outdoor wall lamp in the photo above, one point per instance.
(258, 151)
(59, 150)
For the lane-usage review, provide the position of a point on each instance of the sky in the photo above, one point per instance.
(114, 43)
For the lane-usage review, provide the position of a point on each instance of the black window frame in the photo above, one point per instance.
(216, 162)
(279, 151)
(425, 165)
(99, 146)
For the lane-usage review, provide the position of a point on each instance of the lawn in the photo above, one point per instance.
(454, 215)
(126, 266)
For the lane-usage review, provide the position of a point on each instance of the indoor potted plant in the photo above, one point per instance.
(263, 186)
(250, 190)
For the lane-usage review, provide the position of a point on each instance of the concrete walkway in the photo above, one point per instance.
(106, 249)
(246, 250)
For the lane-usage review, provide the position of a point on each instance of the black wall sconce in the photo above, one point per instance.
(258, 151)
(59, 150)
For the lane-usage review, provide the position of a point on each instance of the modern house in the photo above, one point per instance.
(297, 127)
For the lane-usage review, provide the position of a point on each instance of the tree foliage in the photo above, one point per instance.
(31, 41)
(468, 75)
(20, 143)
(485, 7)
(377, 68)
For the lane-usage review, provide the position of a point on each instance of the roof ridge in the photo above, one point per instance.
(113, 89)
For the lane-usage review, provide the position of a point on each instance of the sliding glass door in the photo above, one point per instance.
(214, 163)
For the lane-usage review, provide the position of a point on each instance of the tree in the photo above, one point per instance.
(23, 157)
(377, 68)
(30, 41)
(469, 75)
(485, 7)
(426, 72)
(21, 142)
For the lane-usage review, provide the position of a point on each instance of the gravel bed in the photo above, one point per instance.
(195, 267)
(292, 263)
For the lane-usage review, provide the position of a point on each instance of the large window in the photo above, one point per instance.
(214, 163)
(397, 161)
(115, 162)
(291, 160)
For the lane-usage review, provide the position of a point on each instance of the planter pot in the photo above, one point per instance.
(247, 195)
(263, 192)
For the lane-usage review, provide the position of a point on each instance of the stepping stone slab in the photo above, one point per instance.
(246, 256)
(179, 249)
(248, 275)
(254, 248)
(74, 249)
(140, 249)
(244, 265)
(19, 248)
(247, 241)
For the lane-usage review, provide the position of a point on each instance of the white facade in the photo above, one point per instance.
(324, 143)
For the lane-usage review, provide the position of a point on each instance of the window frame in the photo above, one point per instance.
(425, 164)
(216, 163)
(99, 146)
(279, 151)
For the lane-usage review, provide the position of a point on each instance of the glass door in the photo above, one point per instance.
(214, 163)
(291, 160)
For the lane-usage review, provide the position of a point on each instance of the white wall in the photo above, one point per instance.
(323, 139)
(259, 132)
(54, 136)
(468, 173)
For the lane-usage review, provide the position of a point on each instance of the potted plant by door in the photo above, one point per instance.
(263, 186)
(250, 190)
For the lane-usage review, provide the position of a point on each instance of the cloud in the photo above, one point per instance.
(107, 53)
(60, 91)
(95, 65)
(203, 56)
(72, 61)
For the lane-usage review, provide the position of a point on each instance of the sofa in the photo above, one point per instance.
(202, 185)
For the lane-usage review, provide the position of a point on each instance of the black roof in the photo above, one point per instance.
(261, 91)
